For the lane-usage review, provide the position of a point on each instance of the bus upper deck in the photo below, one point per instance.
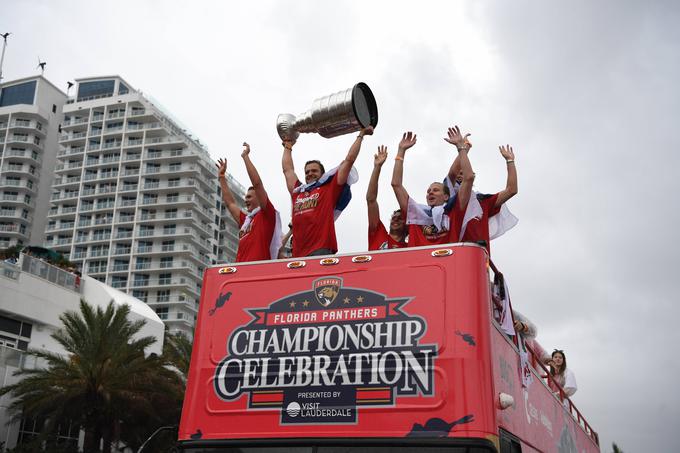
(393, 350)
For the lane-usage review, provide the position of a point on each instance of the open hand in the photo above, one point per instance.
(457, 139)
(407, 140)
(380, 157)
(221, 167)
(506, 152)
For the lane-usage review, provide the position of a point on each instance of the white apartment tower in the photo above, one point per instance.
(30, 111)
(135, 199)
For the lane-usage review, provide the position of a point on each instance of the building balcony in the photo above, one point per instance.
(20, 170)
(69, 166)
(23, 154)
(66, 181)
(71, 151)
(73, 136)
(13, 183)
(128, 188)
(112, 145)
(15, 214)
(12, 228)
(73, 122)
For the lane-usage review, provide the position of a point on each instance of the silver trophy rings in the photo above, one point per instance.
(336, 114)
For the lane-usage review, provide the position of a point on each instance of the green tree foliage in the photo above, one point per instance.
(106, 383)
(177, 352)
(615, 448)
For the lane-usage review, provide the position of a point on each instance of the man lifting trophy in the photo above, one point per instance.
(324, 194)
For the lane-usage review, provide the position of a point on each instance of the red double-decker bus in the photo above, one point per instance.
(389, 351)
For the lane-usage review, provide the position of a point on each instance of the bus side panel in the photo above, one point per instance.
(537, 417)
(396, 347)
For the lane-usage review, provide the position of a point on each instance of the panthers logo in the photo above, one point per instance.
(327, 289)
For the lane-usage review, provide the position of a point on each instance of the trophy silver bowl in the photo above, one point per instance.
(336, 114)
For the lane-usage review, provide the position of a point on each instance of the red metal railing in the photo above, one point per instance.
(562, 396)
(536, 360)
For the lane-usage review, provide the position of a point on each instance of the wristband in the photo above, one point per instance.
(399, 158)
(510, 161)
(360, 136)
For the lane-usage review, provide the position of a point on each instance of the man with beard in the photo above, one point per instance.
(320, 200)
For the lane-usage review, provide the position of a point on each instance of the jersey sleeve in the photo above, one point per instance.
(491, 205)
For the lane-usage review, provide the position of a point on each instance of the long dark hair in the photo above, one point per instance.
(553, 371)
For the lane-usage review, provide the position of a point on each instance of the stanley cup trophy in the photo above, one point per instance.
(336, 114)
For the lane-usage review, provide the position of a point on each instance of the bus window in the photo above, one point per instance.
(509, 443)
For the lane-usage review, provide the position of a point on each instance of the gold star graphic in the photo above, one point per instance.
(292, 304)
(305, 303)
(360, 299)
(346, 300)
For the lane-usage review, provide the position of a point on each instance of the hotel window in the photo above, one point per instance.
(23, 93)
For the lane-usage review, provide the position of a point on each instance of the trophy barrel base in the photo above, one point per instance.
(284, 126)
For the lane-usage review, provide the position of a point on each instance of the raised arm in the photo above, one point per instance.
(254, 176)
(454, 170)
(227, 196)
(461, 142)
(372, 192)
(287, 164)
(352, 154)
(284, 241)
(407, 141)
(511, 185)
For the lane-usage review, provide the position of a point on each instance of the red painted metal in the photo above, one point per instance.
(442, 303)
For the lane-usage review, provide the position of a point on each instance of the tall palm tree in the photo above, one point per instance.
(104, 380)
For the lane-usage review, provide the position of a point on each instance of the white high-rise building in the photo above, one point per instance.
(135, 199)
(30, 112)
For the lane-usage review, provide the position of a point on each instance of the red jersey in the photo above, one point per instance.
(381, 240)
(419, 235)
(254, 242)
(477, 229)
(313, 218)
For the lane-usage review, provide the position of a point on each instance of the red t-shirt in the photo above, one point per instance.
(477, 229)
(313, 221)
(254, 242)
(419, 235)
(381, 240)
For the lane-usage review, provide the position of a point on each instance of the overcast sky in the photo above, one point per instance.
(585, 91)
